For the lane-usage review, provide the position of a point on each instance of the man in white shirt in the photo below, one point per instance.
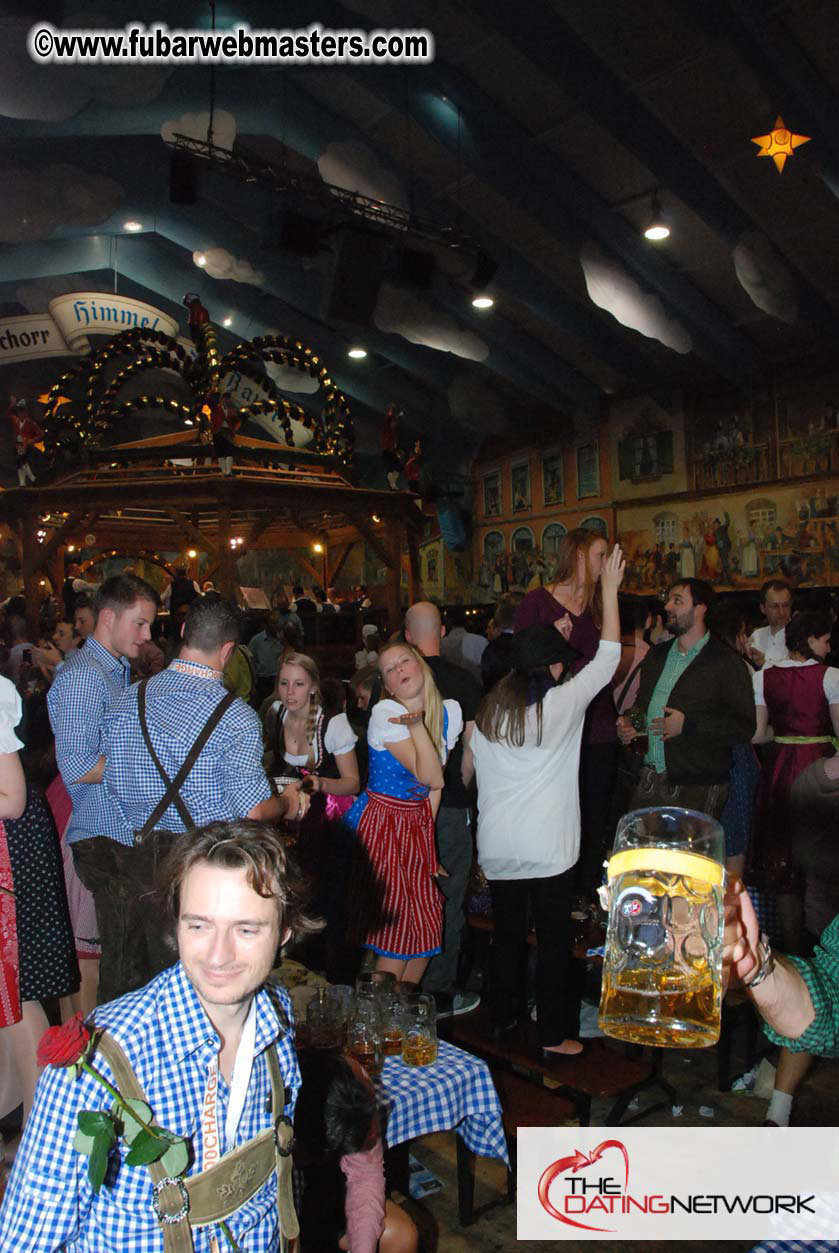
(768, 644)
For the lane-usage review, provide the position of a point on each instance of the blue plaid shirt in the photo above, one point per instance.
(82, 692)
(228, 778)
(170, 1043)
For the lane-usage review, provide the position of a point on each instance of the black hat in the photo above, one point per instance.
(537, 647)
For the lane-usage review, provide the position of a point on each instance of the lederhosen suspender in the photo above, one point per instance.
(214, 1194)
(172, 795)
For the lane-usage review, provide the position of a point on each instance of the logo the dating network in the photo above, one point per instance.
(594, 1195)
(671, 1183)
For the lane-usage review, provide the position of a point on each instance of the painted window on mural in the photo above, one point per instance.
(520, 480)
(762, 515)
(553, 486)
(645, 456)
(551, 537)
(492, 493)
(596, 524)
(666, 528)
(588, 471)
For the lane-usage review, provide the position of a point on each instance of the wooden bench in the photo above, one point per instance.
(600, 1072)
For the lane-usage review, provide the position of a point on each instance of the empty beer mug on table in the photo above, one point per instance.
(662, 968)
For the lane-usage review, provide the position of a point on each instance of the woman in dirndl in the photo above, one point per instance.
(396, 903)
(24, 1028)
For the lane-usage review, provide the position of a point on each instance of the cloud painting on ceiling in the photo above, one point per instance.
(767, 280)
(221, 264)
(39, 93)
(34, 204)
(405, 314)
(613, 289)
(355, 167)
(196, 126)
(36, 297)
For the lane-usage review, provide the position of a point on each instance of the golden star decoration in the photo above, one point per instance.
(779, 143)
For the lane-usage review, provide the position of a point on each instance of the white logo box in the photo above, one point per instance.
(678, 1183)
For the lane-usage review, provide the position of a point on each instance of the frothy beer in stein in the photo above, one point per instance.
(662, 968)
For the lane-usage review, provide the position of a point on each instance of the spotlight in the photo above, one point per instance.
(228, 321)
(317, 547)
(200, 259)
(482, 302)
(132, 226)
(657, 227)
(192, 553)
(375, 517)
(357, 353)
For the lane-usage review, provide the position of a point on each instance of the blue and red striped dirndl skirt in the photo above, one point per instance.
(395, 905)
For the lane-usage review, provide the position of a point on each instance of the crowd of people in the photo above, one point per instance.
(146, 804)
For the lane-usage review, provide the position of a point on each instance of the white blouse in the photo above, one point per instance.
(339, 739)
(11, 712)
(381, 731)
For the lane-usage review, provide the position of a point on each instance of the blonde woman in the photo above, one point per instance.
(312, 738)
(397, 905)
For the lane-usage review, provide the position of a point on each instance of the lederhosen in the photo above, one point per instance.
(212, 1195)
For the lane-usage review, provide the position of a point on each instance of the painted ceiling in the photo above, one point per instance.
(541, 132)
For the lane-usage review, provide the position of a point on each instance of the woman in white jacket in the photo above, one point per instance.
(526, 746)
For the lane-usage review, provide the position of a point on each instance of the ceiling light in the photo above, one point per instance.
(227, 322)
(187, 421)
(482, 302)
(317, 547)
(132, 225)
(656, 228)
(357, 354)
(71, 548)
(191, 552)
(200, 259)
(375, 517)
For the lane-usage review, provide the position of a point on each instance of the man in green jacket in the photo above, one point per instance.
(696, 695)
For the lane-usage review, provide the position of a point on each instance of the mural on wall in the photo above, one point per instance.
(520, 483)
(492, 493)
(735, 541)
(447, 576)
(553, 487)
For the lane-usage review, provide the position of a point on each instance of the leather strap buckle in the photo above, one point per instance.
(284, 1150)
(166, 1182)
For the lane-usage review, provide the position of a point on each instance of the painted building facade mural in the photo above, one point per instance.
(730, 490)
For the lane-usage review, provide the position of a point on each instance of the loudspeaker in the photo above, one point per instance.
(416, 268)
(300, 234)
(356, 277)
(485, 269)
(183, 179)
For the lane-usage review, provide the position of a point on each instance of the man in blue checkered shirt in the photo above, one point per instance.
(227, 780)
(84, 688)
(197, 1039)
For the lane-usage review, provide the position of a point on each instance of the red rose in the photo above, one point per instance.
(61, 1046)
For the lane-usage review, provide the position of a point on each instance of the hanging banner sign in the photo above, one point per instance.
(63, 332)
(31, 335)
(103, 313)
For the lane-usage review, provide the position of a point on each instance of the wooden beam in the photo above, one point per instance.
(341, 562)
(260, 527)
(31, 561)
(415, 582)
(197, 536)
(74, 522)
(226, 560)
(394, 580)
(378, 545)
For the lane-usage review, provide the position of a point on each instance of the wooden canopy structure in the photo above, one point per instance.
(157, 495)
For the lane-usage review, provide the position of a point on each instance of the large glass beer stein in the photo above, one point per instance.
(662, 968)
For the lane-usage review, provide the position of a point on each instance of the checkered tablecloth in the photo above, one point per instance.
(456, 1092)
(797, 1246)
